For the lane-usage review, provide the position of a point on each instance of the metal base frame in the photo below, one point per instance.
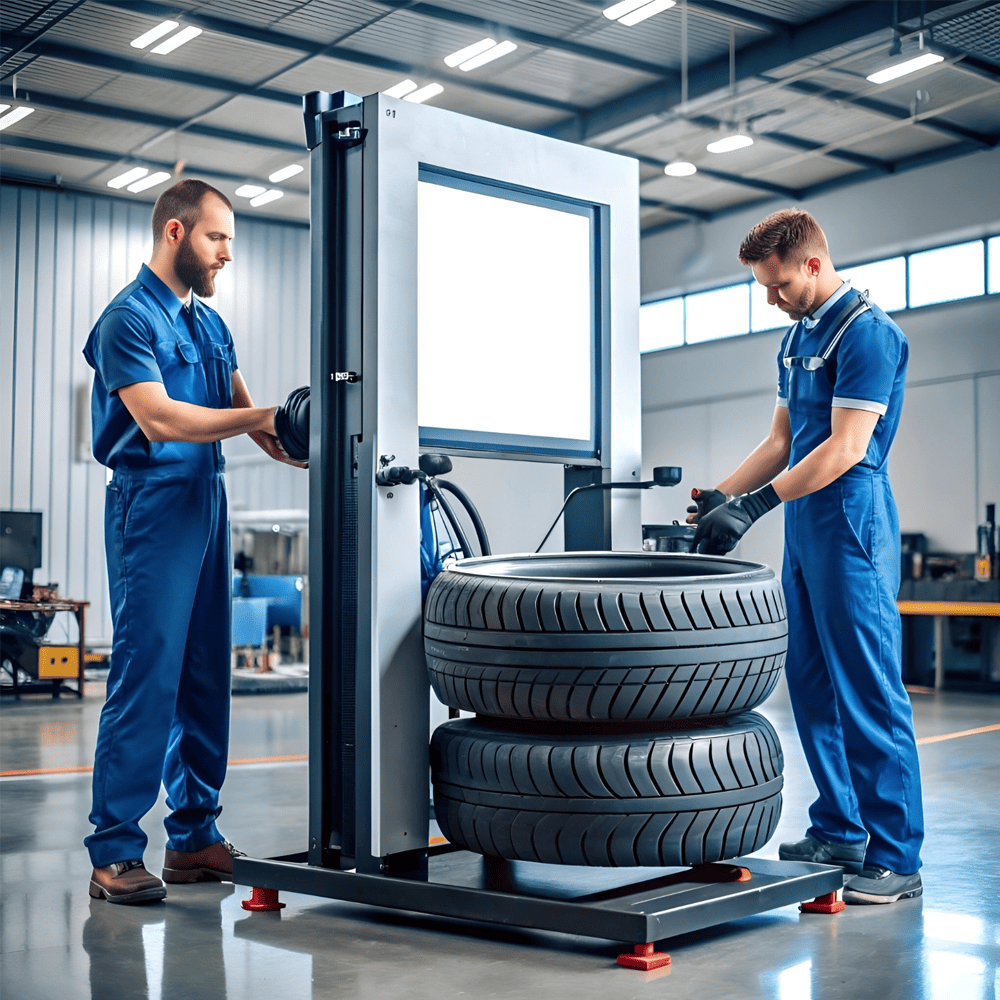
(557, 898)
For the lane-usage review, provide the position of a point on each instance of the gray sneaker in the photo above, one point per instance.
(879, 885)
(850, 857)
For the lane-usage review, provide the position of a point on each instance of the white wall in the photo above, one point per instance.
(63, 257)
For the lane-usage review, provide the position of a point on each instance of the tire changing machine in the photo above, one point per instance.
(435, 328)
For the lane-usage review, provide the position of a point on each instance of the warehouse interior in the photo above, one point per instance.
(892, 172)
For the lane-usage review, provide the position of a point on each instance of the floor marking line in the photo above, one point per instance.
(954, 736)
(87, 768)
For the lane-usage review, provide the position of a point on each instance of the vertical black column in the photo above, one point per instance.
(335, 219)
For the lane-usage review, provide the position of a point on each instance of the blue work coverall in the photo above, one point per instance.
(166, 529)
(841, 579)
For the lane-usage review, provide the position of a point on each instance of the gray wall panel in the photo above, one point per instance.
(62, 259)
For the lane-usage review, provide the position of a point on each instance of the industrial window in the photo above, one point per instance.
(762, 315)
(943, 274)
(947, 273)
(722, 312)
(661, 324)
(885, 280)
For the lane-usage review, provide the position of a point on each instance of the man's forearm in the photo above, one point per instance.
(765, 462)
(201, 424)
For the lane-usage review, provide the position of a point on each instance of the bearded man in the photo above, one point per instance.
(167, 390)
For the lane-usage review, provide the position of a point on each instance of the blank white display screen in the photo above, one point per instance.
(504, 317)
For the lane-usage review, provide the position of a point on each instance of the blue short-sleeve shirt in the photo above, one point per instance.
(867, 371)
(146, 334)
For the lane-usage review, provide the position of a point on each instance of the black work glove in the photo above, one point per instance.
(704, 501)
(720, 529)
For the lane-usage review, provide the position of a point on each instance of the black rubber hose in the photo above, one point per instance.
(470, 507)
(291, 424)
(452, 520)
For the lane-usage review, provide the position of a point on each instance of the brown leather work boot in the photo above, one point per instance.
(126, 882)
(210, 864)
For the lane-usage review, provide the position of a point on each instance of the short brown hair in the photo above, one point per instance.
(786, 233)
(183, 201)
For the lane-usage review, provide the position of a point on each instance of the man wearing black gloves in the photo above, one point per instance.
(841, 373)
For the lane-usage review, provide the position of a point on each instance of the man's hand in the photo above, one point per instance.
(704, 502)
(270, 444)
(720, 529)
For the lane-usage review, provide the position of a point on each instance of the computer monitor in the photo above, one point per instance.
(21, 540)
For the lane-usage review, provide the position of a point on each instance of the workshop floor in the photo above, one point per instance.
(56, 943)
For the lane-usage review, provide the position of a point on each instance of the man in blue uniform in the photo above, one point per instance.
(167, 390)
(841, 373)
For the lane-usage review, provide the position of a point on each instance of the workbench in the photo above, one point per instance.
(53, 675)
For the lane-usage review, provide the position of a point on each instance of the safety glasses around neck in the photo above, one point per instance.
(812, 363)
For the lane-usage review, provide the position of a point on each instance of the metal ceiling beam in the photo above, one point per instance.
(695, 213)
(810, 89)
(54, 102)
(102, 155)
(343, 53)
(844, 25)
(159, 71)
(751, 182)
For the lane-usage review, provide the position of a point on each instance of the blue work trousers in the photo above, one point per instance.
(166, 717)
(841, 579)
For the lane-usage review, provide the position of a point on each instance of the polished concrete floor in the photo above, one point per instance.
(55, 942)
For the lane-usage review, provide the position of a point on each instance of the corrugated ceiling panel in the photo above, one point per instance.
(255, 116)
(571, 79)
(414, 39)
(53, 76)
(327, 20)
(86, 130)
(162, 96)
(982, 115)
(902, 143)
(547, 17)
(322, 73)
(26, 163)
(806, 172)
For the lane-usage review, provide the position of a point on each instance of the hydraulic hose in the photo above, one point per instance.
(452, 520)
(470, 508)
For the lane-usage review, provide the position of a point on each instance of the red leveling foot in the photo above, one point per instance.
(645, 957)
(824, 904)
(263, 900)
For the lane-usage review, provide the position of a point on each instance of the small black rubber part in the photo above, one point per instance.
(291, 424)
(693, 793)
(605, 636)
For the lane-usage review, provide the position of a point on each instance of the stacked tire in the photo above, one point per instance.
(613, 696)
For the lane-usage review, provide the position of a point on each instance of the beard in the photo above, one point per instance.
(803, 305)
(199, 277)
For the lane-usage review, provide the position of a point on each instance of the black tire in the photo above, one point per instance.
(689, 795)
(607, 636)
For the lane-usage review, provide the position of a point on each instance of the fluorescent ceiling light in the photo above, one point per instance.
(3, 108)
(488, 56)
(164, 28)
(630, 12)
(262, 199)
(456, 58)
(903, 68)
(729, 143)
(12, 117)
(285, 172)
(618, 10)
(175, 41)
(128, 177)
(421, 95)
(680, 168)
(401, 89)
(151, 181)
(648, 11)
(250, 190)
